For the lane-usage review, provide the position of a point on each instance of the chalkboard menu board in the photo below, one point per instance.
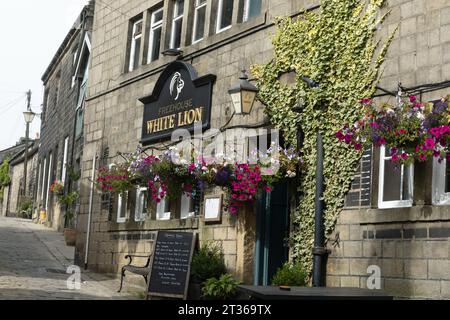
(171, 263)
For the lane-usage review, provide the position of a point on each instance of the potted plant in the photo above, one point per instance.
(223, 288)
(290, 275)
(68, 201)
(207, 263)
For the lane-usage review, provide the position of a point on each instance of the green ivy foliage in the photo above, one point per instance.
(335, 46)
(4, 177)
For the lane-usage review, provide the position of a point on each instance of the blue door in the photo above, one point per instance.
(272, 232)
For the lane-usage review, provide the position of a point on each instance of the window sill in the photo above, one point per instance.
(422, 213)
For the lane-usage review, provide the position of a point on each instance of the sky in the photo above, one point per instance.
(31, 32)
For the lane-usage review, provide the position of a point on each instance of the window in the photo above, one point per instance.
(135, 48)
(441, 182)
(45, 105)
(177, 23)
(122, 207)
(155, 35)
(49, 181)
(252, 8)
(64, 163)
(141, 205)
(43, 169)
(359, 194)
(395, 182)
(187, 207)
(199, 20)
(163, 209)
(224, 15)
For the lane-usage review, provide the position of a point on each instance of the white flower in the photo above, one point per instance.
(420, 116)
(291, 174)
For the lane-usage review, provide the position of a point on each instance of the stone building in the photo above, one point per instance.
(15, 194)
(65, 82)
(405, 233)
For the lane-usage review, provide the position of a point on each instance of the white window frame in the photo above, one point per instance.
(161, 210)
(219, 18)
(140, 214)
(175, 18)
(198, 6)
(122, 207)
(49, 180)
(44, 174)
(134, 39)
(185, 208)
(396, 203)
(65, 156)
(439, 196)
(247, 10)
(154, 25)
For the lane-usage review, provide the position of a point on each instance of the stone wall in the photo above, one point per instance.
(410, 245)
(58, 115)
(113, 123)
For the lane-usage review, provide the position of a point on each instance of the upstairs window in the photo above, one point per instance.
(177, 23)
(252, 8)
(135, 46)
(224, 15)
(199, 20)
(155, 35)
(395, 187)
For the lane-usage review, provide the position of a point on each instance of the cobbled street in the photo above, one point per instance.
(33, 264)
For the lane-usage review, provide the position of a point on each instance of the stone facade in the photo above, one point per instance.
(409, 244)
(14, 194)
(113, 120)
(61, 142)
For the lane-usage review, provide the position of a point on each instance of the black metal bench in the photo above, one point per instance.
(143, 271)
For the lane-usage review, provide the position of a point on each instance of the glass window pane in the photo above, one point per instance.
(156, 44)
(200, 27)
(227, 13)
(406, 183)
(447, 177)
(158, 16)
(176, 41)
(179, 8)
(392, 180)
(254, 8)
(137, 50)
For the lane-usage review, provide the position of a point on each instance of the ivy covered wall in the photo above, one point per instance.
(335, 46)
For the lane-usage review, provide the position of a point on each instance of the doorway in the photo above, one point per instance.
(272, 232)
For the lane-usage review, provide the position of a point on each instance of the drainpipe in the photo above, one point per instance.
(91, 201)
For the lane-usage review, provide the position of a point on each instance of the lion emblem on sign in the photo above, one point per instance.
(176, 85)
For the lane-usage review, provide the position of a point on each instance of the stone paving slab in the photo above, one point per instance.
(33, 261)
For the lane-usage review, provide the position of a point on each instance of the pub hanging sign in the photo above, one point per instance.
(179, 100)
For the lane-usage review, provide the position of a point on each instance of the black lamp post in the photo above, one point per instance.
(319, 250)
(29, 117)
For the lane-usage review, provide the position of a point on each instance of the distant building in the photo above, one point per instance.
(65, 82)
(15, 194)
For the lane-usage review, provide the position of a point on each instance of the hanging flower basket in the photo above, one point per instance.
(413, 131)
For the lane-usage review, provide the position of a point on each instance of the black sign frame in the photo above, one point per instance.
(196, 89)
(183, 296)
